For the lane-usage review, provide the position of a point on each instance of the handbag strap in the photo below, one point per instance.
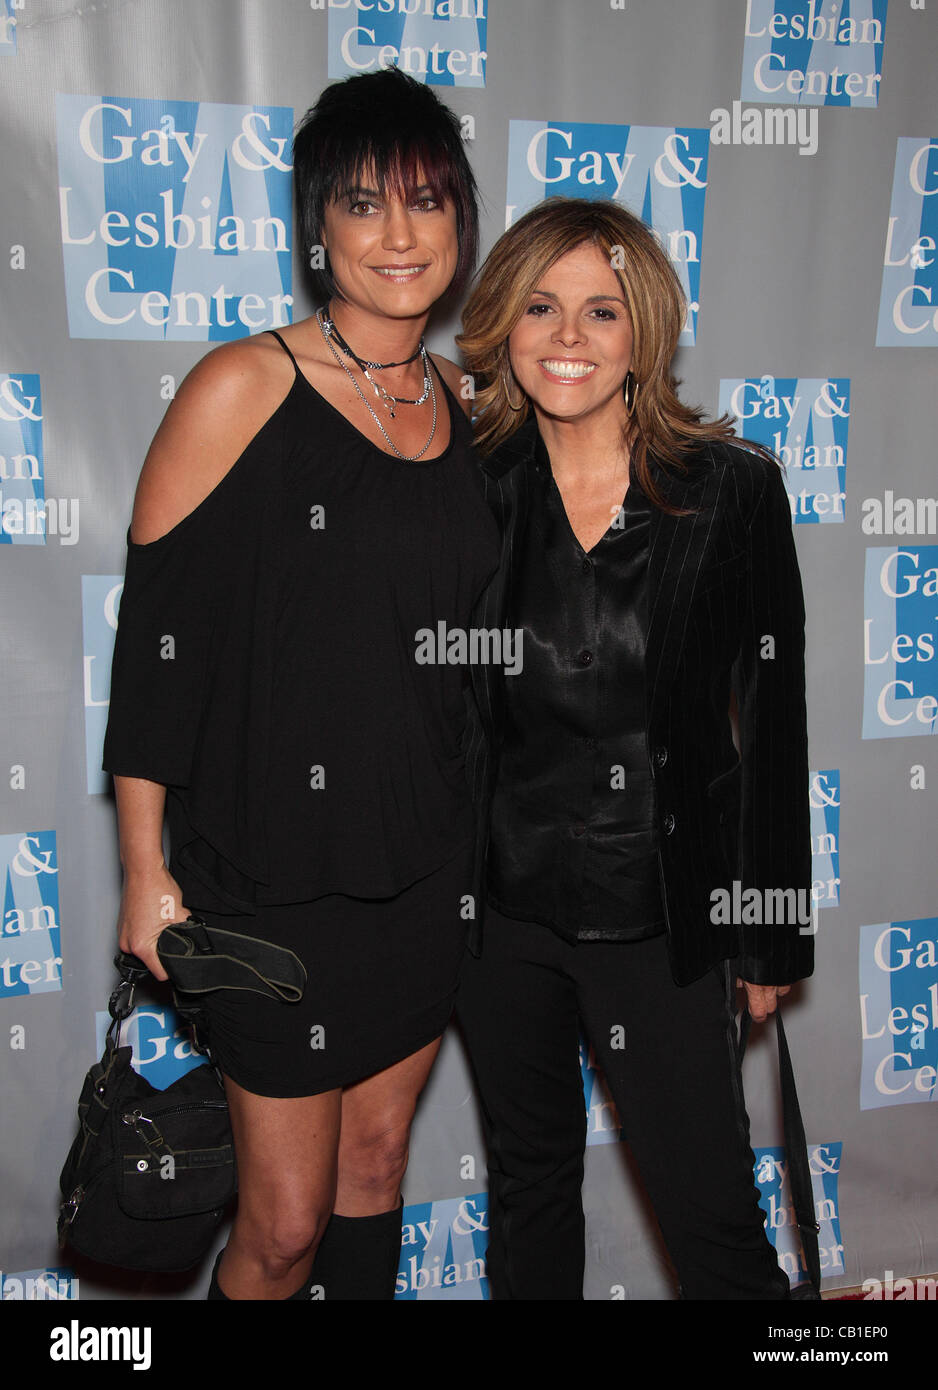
(796, 1148)
(198, 958)
(120, 1004)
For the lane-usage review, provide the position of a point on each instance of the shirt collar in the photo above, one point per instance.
(526, 446)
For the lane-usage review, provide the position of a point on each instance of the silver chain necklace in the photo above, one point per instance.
(384, 396)
(408, 458)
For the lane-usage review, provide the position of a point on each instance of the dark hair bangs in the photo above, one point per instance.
(382, 130)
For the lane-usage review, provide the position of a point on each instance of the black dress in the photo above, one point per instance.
(264, 672)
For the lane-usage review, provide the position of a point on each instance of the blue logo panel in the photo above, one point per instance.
(900, 632)
(824, 800)
(813, 52)
(39, 1285)
(175, 216)
(160, 1040)
(899, 1012)
(781, 1223)
(7, 29)
(100, 598)
(603, 1125)
(30, 947)
(908, 303)
(441, 42)
(443, 1247)
(658, 173)
(22, 468)
(806, 422)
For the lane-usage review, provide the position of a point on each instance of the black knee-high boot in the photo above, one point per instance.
(358, 1257)
(214, 1292)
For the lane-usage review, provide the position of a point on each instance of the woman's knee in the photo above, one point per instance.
(280, 1232)
(375, 1158)
(286, 1153)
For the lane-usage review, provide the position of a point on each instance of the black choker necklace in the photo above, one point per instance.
(329, 325)
(384, 396)
(387, 400)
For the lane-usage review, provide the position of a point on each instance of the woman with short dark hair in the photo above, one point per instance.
(308, 504)
(648, 560)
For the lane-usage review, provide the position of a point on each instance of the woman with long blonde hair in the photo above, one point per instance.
(648, 560)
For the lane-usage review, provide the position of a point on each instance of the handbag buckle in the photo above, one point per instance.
(201, 940)
(67, 1213)
(155, 1142)
(121, 1003)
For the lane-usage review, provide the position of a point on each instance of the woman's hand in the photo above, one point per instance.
(150, 902)
(761, 999)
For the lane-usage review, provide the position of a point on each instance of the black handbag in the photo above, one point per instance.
(149, 1174)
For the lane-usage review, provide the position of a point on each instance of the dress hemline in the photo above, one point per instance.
(334, 1084)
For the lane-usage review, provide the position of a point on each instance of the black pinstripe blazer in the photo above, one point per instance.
(725, 613)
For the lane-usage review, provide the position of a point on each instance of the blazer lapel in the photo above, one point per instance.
(677, 545)
(505, 485)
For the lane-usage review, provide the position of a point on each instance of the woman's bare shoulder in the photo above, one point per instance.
(217, 411)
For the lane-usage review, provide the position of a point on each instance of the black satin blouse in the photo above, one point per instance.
(573, 818)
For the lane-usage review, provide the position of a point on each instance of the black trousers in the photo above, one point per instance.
(669, 1057)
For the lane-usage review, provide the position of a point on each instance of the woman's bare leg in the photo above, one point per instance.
(286, 1153)
(359, 1254)
(300, 1158)
(375, 1134)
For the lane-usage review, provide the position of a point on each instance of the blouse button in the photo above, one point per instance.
(586, 566)
(579, 828)
(585, 658)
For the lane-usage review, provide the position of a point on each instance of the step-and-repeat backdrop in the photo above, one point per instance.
(786, 153)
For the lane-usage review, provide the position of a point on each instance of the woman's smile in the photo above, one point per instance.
(568, 370)
(400, 274)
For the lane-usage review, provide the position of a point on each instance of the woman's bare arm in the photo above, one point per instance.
(151, 898)
(218, 409)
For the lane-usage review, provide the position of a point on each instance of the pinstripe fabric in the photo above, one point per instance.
(721, 580)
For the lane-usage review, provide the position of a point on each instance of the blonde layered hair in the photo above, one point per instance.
(660, 424)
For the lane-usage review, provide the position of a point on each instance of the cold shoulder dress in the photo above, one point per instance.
(266, 672)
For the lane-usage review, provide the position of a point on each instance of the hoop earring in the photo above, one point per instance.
(506, 379)
(629, 389)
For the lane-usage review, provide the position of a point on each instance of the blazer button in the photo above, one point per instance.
(668, 824)
(585, 658)
(660, 757)
(579, 828)
(586, 566)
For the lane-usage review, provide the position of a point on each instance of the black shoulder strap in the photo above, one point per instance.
(457, 412)
(796, 1150)
(296, 365)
